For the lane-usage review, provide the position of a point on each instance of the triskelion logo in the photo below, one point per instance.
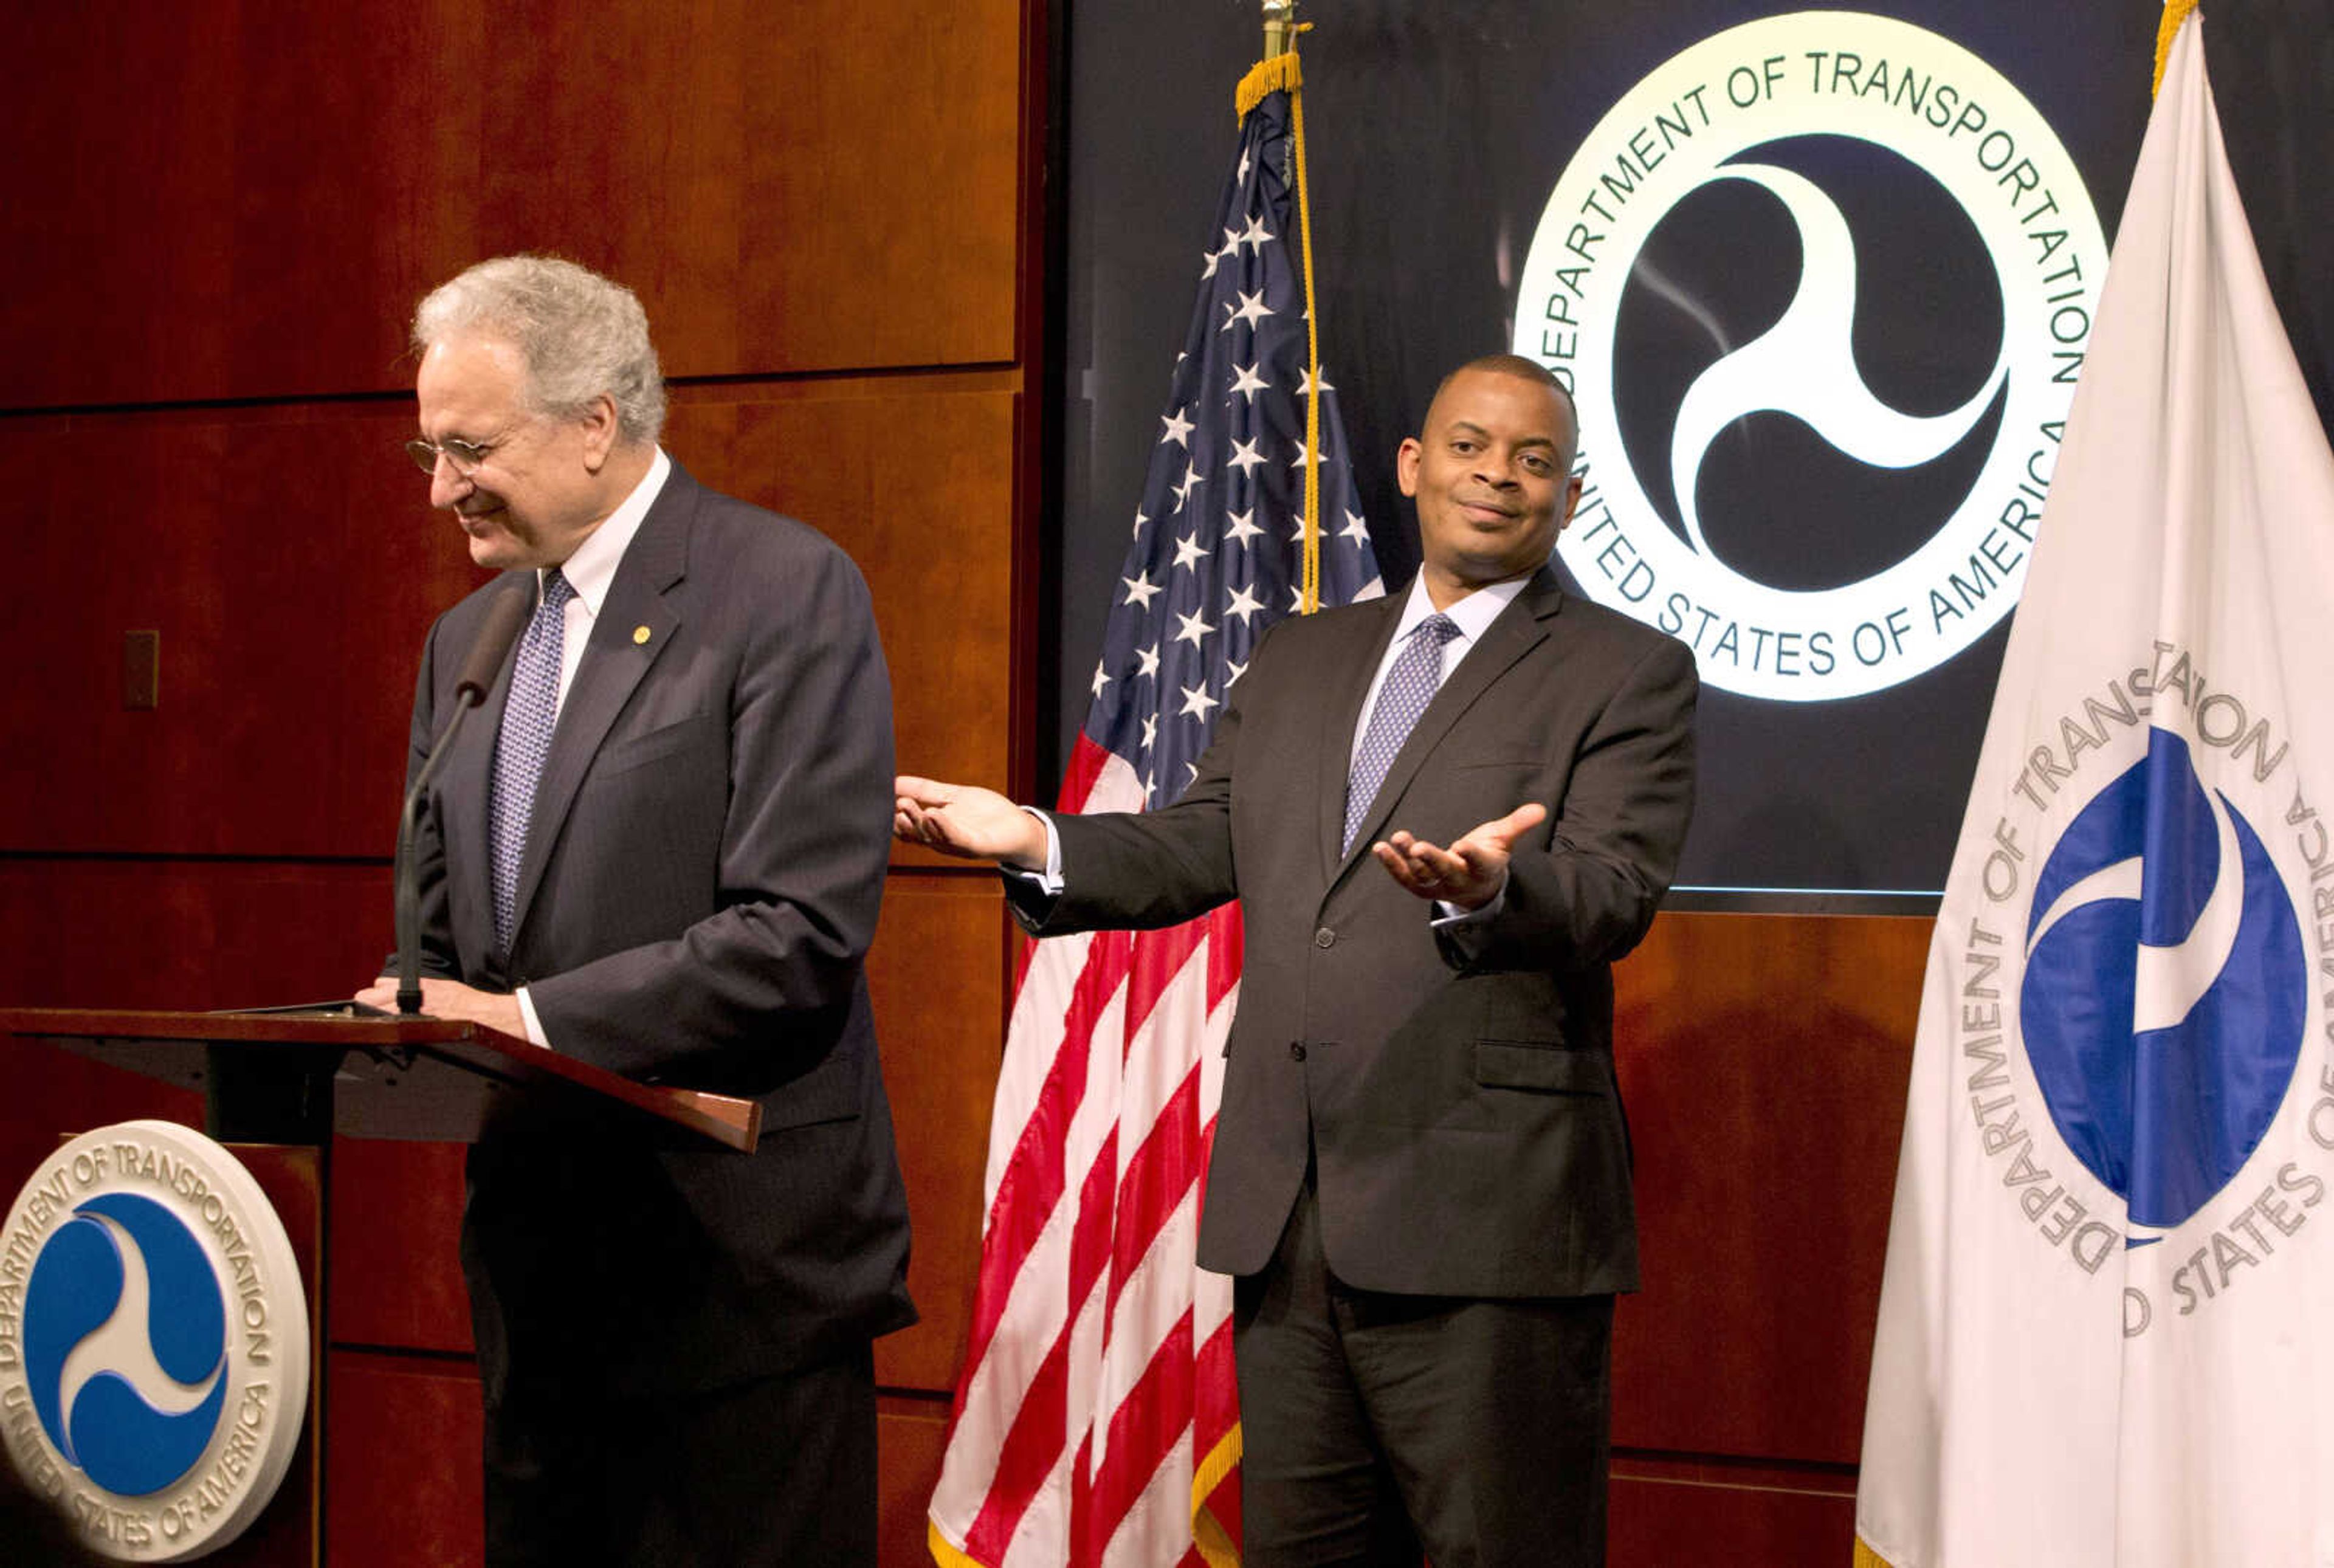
(153, 1341)
(2164, 974)
(2143, 938)
(1819, 509)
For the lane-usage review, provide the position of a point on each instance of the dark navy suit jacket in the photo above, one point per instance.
(1457, 1093)
(700, 884)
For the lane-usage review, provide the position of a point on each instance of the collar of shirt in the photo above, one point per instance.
(593, 565)
(1472, 615)
(592, 568)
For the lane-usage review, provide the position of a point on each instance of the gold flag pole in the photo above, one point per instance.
(1277, 71)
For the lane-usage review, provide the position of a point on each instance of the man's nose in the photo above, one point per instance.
(446, 484)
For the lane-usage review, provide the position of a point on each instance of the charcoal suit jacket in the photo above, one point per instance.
(1456, 1090)
(700, 883)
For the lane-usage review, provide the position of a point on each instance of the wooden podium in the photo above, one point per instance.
(279, 1085)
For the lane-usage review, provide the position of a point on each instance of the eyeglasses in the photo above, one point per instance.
(466, 456)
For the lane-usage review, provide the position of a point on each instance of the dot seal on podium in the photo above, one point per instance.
(154, 1347)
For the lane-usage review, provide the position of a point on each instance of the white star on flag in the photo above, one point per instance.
(1179, 428)
(1196, 703)
(1191, 628)
(1139, 589)
(1251, 310)
(1249, 383)
(1191, 477)
(1230, 248)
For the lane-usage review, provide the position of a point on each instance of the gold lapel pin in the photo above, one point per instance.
(639, 634)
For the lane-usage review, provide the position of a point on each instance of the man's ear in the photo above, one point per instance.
(1571, 502)
(1405, 467)
(601, 425)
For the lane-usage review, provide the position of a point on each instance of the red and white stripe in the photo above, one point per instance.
(1098, 1378)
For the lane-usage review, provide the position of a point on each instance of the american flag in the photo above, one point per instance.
(1096, 1422)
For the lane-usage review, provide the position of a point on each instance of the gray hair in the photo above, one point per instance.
(581, 335)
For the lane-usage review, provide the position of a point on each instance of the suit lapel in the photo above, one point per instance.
(1521, 627)
(615, 661)
(1341, 718)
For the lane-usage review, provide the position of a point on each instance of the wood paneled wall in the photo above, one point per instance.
(219, 217)
(1764, 1060)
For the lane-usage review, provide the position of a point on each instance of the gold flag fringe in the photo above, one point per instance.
(2176, 12)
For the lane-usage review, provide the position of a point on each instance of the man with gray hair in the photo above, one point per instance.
(665, 860)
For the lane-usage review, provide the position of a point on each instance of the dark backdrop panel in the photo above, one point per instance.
(1438, 132)
(1764, 1056)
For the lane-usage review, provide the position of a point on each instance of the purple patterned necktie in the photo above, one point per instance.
(528, 715)
(1410, 685)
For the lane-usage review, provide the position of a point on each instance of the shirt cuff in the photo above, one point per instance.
(534, 1024)
(1452, 917)
(1049, 881)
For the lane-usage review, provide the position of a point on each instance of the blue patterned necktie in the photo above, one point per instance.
(1410, 685)
(528, 715)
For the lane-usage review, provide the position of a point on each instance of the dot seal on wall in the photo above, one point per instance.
(1821, 285)
(154, 1348)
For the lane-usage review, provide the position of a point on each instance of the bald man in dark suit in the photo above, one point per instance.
(1420, 1175)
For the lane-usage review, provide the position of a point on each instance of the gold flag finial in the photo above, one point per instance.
(1279, 26)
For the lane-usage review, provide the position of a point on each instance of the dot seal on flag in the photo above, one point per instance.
(154, 1350)
(2142, 980)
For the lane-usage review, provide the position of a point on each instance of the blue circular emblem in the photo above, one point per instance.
(125, 1344)
(2164, 1111)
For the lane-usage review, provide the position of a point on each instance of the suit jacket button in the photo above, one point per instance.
(1296, 1049)
(1325, 938)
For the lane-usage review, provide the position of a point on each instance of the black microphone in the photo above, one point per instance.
(506, 616)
